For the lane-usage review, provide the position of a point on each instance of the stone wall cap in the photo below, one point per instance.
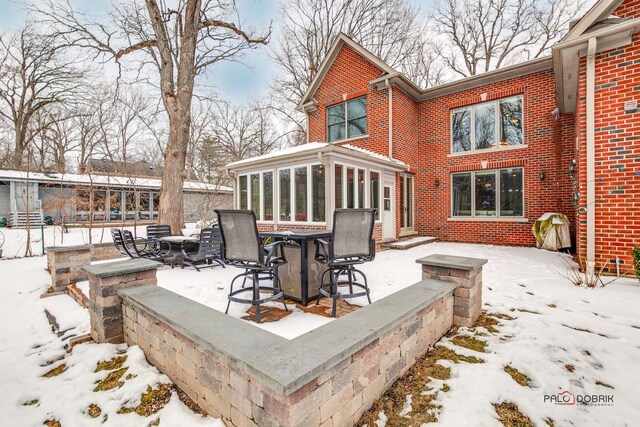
(68, 248)
(285, 365)
(102, 244)
(452, 261)
(117, 268)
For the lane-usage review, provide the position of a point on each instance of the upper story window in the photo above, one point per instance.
(490, 125)
(347, 120)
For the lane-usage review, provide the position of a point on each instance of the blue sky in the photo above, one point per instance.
(235, 81)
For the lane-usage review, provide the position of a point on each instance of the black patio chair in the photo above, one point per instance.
(140, 248)
(351, 244)
(208, 253)
(154, 232)
(242, 248)
(118, 241)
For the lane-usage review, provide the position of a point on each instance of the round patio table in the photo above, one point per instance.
(176, 242)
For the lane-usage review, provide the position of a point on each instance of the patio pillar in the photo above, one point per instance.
(466, 273)
(105, 306)
(65, 265)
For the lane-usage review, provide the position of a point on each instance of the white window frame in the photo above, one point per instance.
(496, 132)
(260, 215)
(473, 196)
(367, 185)
(404, 216)
(293, 196)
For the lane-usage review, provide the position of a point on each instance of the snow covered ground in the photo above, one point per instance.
(595, 331)
(29, 349)
(15, 239)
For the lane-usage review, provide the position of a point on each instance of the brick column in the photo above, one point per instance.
(105, 306)
(466, 273)
(65, 265)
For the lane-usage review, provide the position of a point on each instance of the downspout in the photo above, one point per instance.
(233, 180)
(388, 86)
(590, 158)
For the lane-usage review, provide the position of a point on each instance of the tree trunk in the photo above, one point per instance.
(19, 146)
(171, 209)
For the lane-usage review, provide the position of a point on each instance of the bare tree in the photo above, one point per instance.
(483, 35)
(390, 29)
(57, 137)
(179, 42)
(35, 73)
(228, 133)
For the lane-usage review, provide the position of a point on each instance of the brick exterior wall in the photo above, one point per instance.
(617, 136)
(348, 78)
(421, 135)
(628, 9)
(338, 397)
(548, 150)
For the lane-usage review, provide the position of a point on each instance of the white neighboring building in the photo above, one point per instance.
(84, 198)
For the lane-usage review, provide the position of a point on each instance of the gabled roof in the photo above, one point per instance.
(598, 12)
(394, 78)
(611, 32)
(338, 43)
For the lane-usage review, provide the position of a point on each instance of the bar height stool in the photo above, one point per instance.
(242, 248)
(351, 244)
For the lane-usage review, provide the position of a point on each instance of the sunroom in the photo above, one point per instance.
(300, 187)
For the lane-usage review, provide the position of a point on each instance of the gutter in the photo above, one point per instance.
(590, 158)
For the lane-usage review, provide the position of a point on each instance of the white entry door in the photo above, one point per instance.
(388, 211)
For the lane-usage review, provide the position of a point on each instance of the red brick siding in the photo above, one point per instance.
(617, 136)
(628, 9)
(547, 152)
(421, 138)
(348, 78)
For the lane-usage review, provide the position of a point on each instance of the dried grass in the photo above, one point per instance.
(111, 381)
(110, 365)
(56, 371)
(469, 342)
(414, 383)
(511, 416)
(94, 410)
(151, 402)
(518, 376)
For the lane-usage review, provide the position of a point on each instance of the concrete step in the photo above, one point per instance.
(409, 243)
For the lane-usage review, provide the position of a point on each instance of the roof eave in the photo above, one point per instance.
(510, 72)
(566, 56)
(602, 9)
(310, 154)
(340, 40)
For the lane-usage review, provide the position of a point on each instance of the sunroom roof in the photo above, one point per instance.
(311, 148)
